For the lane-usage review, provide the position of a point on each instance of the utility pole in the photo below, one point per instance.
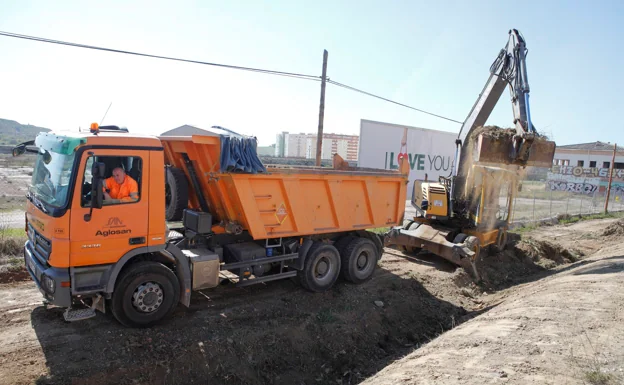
(610, 178)
(319, 137)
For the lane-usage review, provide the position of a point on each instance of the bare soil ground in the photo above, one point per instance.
(15, 175)
(280, 334)
(567, 328)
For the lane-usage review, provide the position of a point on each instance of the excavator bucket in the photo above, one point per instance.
(498, 148)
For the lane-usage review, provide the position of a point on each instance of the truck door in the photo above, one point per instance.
(122, 222)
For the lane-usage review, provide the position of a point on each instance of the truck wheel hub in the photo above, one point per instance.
(362, 261)
(321, 268)
(147, 297)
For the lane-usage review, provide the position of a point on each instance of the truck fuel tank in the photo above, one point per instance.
(205, 267)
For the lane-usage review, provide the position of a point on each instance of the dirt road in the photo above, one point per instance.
(280, 334)
(565, 329)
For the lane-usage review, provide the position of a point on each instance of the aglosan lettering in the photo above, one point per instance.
(106, 233)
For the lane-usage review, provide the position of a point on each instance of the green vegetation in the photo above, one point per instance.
(596, 377)
(11, 241)
(379, 230)
(12, 132)
(574, 219)
(570, 219)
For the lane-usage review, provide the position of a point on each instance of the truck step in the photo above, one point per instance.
(72, 315)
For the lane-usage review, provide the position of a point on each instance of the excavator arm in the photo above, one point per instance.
(521, 148)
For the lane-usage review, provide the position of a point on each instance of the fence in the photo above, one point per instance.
(537, 202)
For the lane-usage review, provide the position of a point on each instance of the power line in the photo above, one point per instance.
(260, 70)
(392, 101)
(251, 69)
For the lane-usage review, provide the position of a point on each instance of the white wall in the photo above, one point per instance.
(574, 158)
(430, 152)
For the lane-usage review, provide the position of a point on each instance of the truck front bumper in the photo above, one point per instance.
(48, 279)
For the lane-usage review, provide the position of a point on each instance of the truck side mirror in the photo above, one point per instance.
(97, 193)
(19, 150)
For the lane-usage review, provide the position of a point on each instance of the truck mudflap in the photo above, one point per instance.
(434, 240)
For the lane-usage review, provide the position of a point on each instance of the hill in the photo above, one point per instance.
(12, 132)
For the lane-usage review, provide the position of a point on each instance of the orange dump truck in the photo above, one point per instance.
(133, 224)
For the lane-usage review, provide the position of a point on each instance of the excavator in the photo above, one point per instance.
(463, 213)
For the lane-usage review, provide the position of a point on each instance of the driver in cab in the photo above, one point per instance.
(120, 188)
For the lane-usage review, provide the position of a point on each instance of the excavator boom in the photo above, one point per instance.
(524, 147)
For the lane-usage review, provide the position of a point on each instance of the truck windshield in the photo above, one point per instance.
(53, 169)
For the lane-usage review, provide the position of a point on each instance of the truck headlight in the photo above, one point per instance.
(48, 284)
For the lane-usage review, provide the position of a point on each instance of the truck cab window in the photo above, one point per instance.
(122, 180)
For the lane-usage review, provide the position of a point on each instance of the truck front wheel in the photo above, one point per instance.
(321, 268)
(145, 293)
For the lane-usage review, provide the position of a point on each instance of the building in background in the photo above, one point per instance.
(589, 155)
(304, 146)
(584, 168)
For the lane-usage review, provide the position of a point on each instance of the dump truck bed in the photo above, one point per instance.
(288, 201)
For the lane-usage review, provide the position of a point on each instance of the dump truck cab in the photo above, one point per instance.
(72, 249)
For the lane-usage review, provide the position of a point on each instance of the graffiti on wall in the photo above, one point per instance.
(579, 188)
(587, 172)
(587, 181)
(573, 184)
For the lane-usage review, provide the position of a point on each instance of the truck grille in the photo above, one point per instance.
(41, 247)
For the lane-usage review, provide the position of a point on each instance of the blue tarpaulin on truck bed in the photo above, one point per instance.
(239, 154)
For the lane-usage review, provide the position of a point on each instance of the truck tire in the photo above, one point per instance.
(145, 293)
(176, 193)
(359, 260)
(321, 268)
(342, 243)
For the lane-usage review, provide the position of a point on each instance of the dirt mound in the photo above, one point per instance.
(615, 228)
(521, 260)
(546, 253)
(495, 132)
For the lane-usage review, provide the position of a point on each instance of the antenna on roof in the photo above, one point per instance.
(106, 113)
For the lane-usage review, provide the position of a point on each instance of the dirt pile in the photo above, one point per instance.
(542, 252)
(495, 132)
(615, 229)
(522, 259)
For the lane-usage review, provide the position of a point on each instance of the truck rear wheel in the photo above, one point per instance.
(144, 294)
(321, 268)
(359, 260)
(176, 193)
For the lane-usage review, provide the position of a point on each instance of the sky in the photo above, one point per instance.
(431, 55)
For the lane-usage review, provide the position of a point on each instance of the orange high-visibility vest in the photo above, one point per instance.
(122, 191)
